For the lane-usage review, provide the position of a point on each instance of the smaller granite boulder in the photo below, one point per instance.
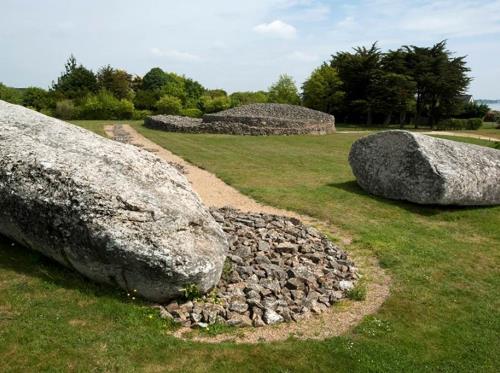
(418, 168)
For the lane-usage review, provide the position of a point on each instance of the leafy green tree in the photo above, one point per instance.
(323, 90)
(76, 81)
(36, 98)
(284, 91)
(215, 104)
(393, 93)
(145, 100)
(440, 81)
(154, 79)
(245, 98)
(215, 93)
(169, 105)
(174, 86)
(136, 83)
(194, 90)
(358, 72)
(118, 82)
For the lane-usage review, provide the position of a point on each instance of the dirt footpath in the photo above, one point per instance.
(438, 133)
(214, 192)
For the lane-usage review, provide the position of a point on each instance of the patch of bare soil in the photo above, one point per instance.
(215, 193)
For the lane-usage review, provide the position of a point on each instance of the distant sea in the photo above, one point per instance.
(495, 106)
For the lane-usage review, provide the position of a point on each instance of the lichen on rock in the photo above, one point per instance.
(112, 212)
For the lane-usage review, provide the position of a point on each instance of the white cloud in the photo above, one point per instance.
(175, 54)
(220, 34)
(302, 56)
(277, 28)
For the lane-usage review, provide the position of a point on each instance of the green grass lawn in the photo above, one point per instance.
(443, 313)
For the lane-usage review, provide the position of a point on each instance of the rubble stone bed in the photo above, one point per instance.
(253, 119)
(277, 270)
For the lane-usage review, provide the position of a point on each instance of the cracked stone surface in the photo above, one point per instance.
(115, 213)
(418, 168)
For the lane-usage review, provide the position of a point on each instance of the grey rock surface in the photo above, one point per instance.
(409, 166)
(253, 119)
(110, 211)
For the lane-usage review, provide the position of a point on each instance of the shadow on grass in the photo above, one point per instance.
(424, 210)
(31, 263)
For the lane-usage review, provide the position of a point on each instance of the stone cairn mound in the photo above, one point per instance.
(277, 270)
(253, 119)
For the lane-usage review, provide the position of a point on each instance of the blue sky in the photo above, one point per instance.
(236, 45)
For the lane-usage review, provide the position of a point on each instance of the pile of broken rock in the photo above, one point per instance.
(277, 270)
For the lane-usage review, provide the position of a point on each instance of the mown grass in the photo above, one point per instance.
(443, 313)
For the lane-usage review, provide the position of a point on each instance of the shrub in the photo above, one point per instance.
(65, 109)
(124, 110)
(192, 112)
(145, 100)
(36, 98)
(213, 105)
(169, 105)
(245, 98)
(11, 95)
(492, 116)
(191, 292)
(474, 110)
(141, 114)
(474, 123)
(105, 106)
(358, 292)
(452, 124)
(47, 111)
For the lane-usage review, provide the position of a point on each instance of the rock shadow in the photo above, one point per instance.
(424, 210)
(31, 263)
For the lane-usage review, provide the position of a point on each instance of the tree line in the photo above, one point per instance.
(417, 85)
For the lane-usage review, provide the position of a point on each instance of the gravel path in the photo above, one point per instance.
(215, 193)
(438, 133)
(461, 134)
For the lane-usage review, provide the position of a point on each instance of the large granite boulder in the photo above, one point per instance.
(110, 211)
(418, 168)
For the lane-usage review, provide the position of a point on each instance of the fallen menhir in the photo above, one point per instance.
(110, 211)
(252, 119)
(418, 168)
(277, 270)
